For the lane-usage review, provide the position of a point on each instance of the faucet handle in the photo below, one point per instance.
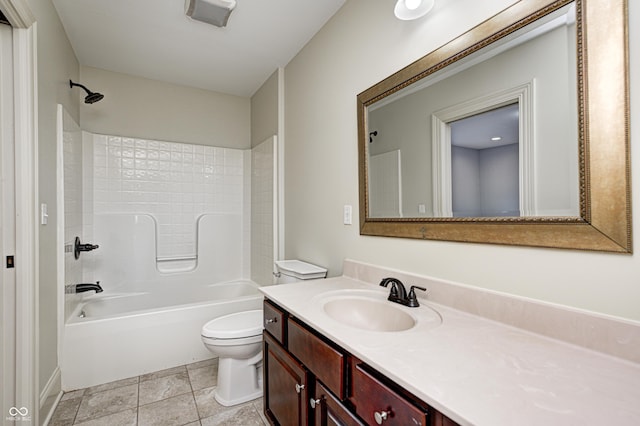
(412, 299)
(394, 290)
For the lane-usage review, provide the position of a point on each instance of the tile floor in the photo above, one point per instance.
(173, 397)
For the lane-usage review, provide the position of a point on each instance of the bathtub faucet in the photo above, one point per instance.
(81, 288)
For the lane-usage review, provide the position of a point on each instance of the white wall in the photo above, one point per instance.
(362, 44)
(56, 65)
(264, 111)
(149, 109)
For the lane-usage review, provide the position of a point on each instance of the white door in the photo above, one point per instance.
(7, 227)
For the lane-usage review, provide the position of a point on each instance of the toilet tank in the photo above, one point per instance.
(291, 271)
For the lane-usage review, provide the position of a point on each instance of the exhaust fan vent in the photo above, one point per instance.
(214, 12)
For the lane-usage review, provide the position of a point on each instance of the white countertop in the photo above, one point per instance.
(477, 371)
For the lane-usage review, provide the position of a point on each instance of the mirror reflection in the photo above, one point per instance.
(493, 135)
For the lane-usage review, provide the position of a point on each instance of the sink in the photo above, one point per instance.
(368, 314)
(369, 310)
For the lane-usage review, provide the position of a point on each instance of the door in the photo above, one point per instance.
(7, 227)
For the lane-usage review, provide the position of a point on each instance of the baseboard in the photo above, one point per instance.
(50, 396)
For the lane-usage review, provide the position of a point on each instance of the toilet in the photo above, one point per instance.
(237, 340)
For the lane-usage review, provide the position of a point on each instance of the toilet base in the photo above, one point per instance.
(239, 380)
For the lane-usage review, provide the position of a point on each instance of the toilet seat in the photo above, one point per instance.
(234, 326)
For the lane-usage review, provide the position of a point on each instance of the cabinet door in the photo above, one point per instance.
(285, 386)
(329, 411)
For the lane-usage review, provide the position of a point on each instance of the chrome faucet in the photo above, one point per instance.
(81, 288)
(398, 292)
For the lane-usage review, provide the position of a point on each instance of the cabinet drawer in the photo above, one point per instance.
(375, 402)
(322, 359)
(274, 321)
(329, 411)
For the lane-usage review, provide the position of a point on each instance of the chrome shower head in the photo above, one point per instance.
(92, 97)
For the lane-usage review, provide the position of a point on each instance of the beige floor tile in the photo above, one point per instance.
(243, 415)
(108, 402)
(73, 394)
(111, 385)
(163, 388)
(123, 418)
(259, 405)
(206, 402)
(179, 410)
(163, 373)
(203, 377)
(65, 412)
(205, 363)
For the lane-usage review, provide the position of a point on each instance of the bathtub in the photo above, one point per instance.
(119, 335)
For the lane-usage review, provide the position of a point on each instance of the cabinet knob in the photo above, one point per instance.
(314, 402)
(270, 320)
(381, 416)
(299, 388)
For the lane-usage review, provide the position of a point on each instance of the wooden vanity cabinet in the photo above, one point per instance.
(285, 385)
(309, 380)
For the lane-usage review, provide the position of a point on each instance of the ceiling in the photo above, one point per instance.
(155, 39)
(477, 131)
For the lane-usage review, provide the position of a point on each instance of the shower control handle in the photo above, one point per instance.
(79, 247)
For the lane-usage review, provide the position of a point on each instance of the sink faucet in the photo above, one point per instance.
(81, 288)
(398, 292)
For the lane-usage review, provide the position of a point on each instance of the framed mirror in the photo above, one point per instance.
(516, 132)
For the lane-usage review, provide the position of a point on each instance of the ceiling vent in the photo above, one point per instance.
(214, 12)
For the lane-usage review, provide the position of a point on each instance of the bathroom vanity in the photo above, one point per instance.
(310, 380)
(360, 364)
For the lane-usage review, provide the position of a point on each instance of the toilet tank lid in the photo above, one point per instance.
(301, 270)
(234, 326)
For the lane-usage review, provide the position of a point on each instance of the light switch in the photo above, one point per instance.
(348, 215)
(44, 216)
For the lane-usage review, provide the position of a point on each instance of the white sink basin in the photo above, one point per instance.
(369, 310)
(369, 314)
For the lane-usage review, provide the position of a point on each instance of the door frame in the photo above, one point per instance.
(441, 147)
(25, 95)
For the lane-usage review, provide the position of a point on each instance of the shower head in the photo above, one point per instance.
(92, 97)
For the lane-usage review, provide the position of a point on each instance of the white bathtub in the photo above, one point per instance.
(116, 336)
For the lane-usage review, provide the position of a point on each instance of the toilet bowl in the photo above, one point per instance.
(237, 341)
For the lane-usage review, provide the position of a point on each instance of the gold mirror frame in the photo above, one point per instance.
(603, 119)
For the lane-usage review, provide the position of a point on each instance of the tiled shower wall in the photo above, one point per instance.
(73, 188)
(262, 213)
(173, 182)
